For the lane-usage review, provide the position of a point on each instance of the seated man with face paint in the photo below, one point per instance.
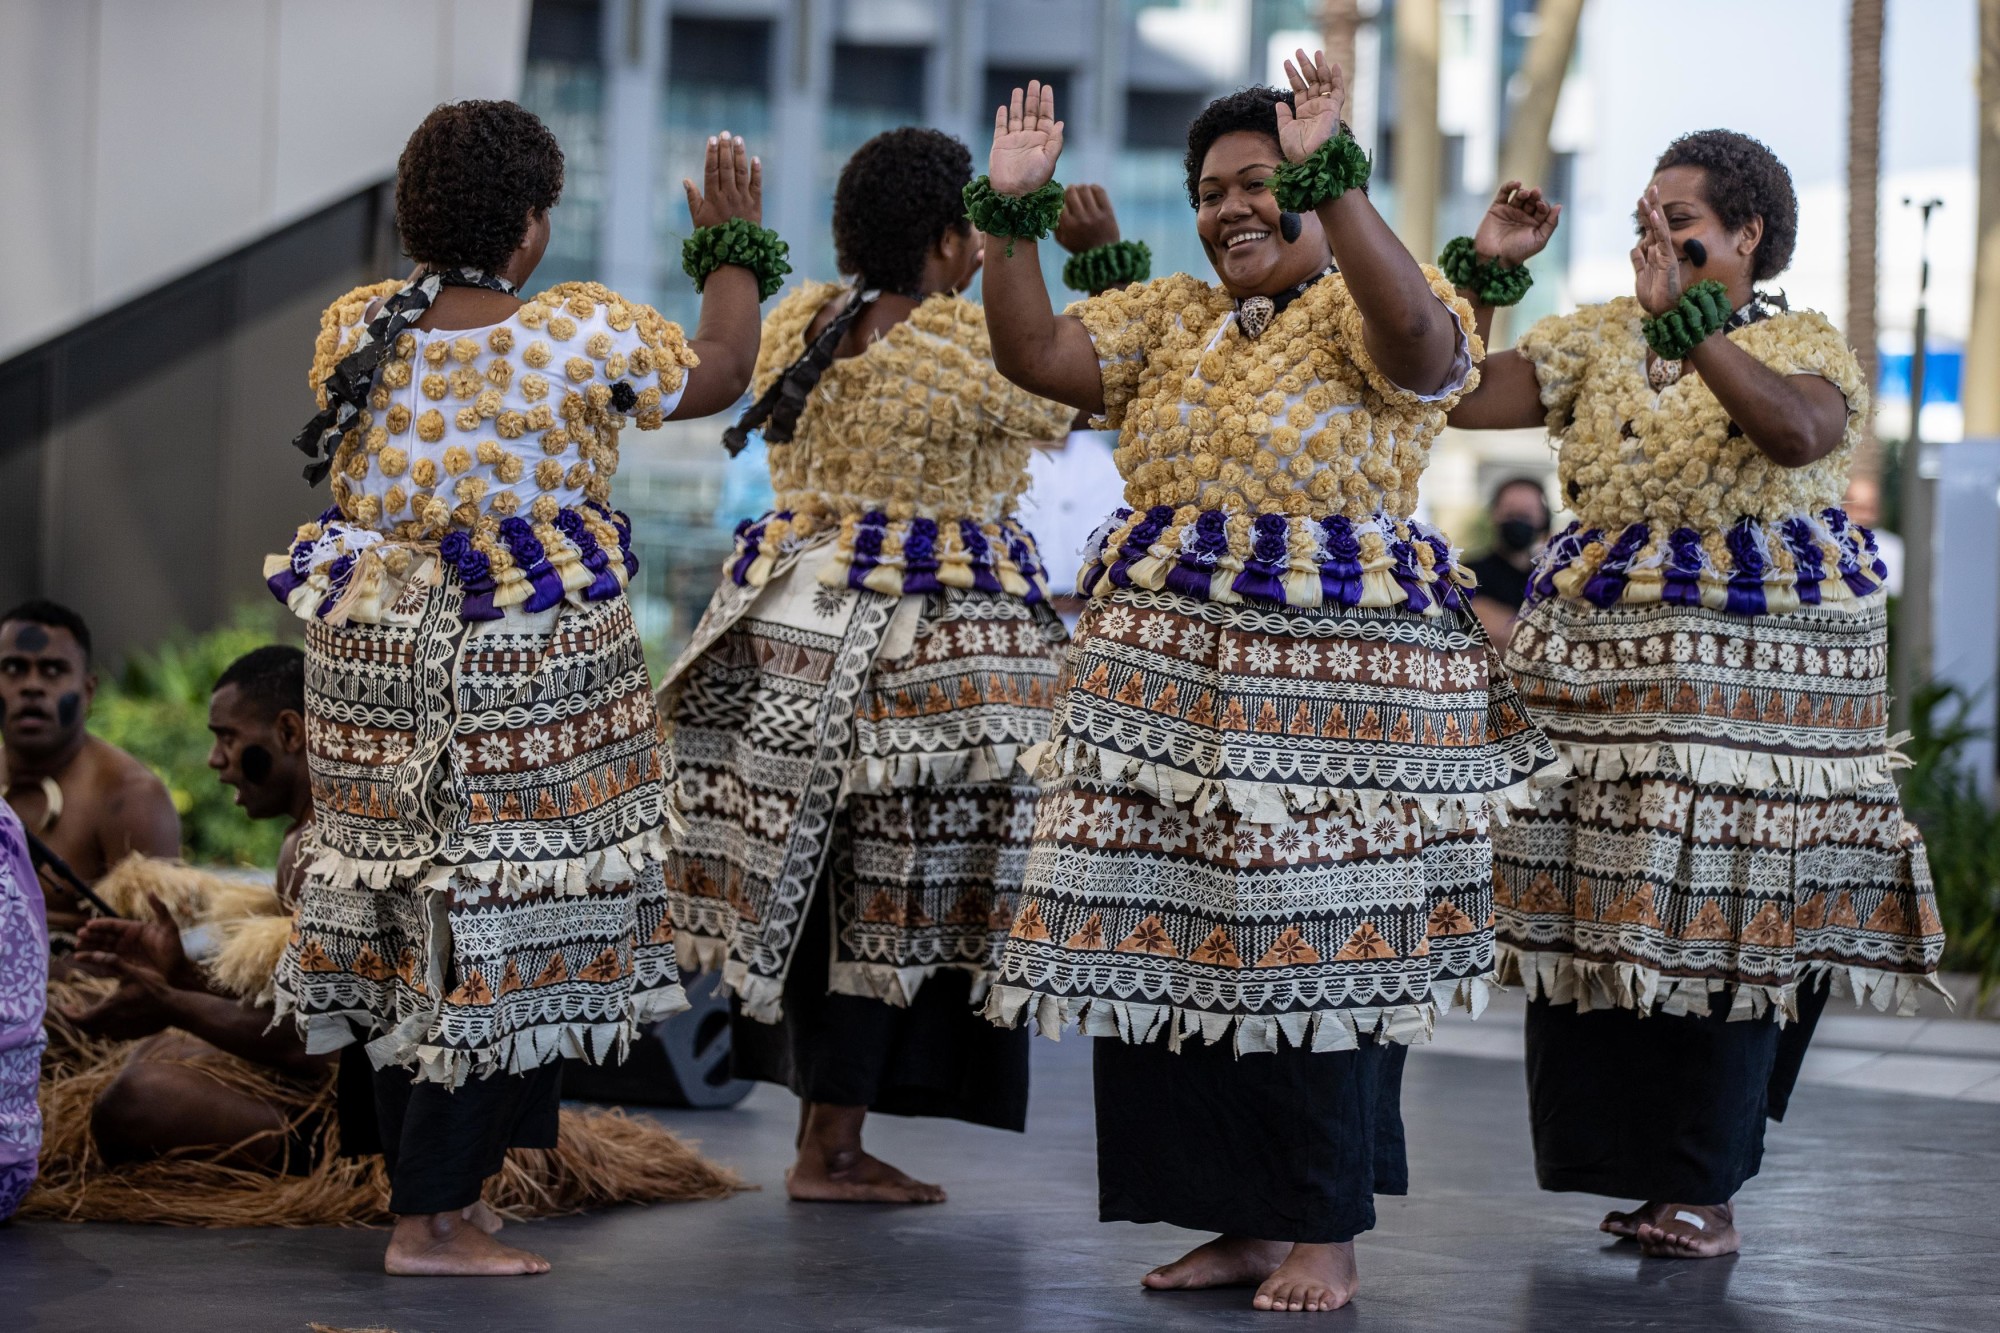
(88, 801)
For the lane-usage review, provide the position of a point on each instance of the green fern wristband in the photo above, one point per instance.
(1334, 168)
(742, 242)
(1490, 281)
(1702, 309)
(1032, 216)
(1106, 266)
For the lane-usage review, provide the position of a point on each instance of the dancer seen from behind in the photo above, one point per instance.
(1261, 861)
(1706, 645)
(483, 894)
(848, 717)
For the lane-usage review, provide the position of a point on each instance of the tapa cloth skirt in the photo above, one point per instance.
(483, 888)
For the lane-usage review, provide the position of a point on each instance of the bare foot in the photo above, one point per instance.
(482, 1216)
(849, 1175)
(448, 1245)
(1690, 1231)
(1625, 1226)
(1313, 1277)
(1226, 1261)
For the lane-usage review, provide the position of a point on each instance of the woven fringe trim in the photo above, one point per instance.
(1722, 766)
(616, 864)
(515, 1053)
(898, 986)
(762, 998)
(1562, 978)
(993, 762)
(699, 953)
(1317, 1030)
(1272, 802)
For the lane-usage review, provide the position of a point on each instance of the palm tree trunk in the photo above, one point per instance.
(1864, 177)
(1339, 22)
(1524, 154)
(1419, 146)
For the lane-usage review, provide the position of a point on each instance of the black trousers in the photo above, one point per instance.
(935, 1057)
(441, 1144)
(1670, 1109)
(1288, 1145)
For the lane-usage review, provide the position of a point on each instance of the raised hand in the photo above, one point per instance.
(1087, 219)
(1656, 268)
(1319, 94)
(1517, 226)
(1027, 140)
(732, 184)
(155, 944)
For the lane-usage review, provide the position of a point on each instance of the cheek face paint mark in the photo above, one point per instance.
(32, 638)
(256, 761)
(68, 708)
(1289, 226)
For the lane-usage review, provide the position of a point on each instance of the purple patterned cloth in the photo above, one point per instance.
(24, 979)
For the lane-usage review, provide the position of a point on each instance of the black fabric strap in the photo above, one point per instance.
(778, 410)
(348, 386)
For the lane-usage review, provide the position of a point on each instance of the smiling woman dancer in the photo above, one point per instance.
(848, 715)
(1260, 862)
(482, 893)
(1706, 645)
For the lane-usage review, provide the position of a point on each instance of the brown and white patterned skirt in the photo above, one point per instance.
(1268, 820)
(1731, 829)
(484, 886)
(801, 712)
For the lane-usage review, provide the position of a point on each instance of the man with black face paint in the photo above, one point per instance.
(89, 801)
(1519, 513)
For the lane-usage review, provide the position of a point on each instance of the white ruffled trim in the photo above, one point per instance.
(1135, 1021)
(1273, 802)
(1718, 765)
(992, 762)
(616, 864)
(1562, 978)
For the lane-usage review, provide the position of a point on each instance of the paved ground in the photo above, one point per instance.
(1875, 1211)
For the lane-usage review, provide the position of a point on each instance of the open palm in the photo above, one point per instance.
(1027, 140)
(1517, 226)
(1656, 269)
(1319, 94)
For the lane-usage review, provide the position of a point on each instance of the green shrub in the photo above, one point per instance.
(1961, 831)
(156, 709)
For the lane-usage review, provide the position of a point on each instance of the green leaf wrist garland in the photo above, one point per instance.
(737, 241)
(1702, 309)
(1028, 215)
(1490, 281)
(1334, 168)
(1106, 266)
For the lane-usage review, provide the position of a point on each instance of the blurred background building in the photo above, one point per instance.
(185, 183)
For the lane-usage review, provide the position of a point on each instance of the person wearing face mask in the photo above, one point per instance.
(1707, 646)
(1261, 863)
(1520, 517)
(847, 718)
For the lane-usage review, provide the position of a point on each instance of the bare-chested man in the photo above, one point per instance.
(164, 1101)
(89, 801)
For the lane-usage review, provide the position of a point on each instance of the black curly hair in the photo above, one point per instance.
(1252, 109)
(1745, 180)
(898, 196)
(469, 178)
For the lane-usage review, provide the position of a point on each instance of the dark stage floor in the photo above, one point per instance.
(1875, 1211)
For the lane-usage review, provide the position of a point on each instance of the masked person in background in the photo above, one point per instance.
(1520, 517)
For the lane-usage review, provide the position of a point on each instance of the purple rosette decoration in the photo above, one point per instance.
(338, 573)
(979, 555)
(1340, 572)
(1138, 543)
(920, 563)
(1746, 579)
(1270, 555)
(749, 542)
(868, 535)
(1094, 568)
(1193, 570)
(1681, 577)
(1806, 554)
(571, 525)
(1444, 589)
(526, 548)
(1022, 552)
(1405, 572)
(1604, 587)
(1562, 553)
(475, 575)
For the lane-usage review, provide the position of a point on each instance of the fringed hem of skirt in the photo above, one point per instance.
(1562, 978)
(1721, 766)
(898, 986)
(993, 761)
(616, 864)
(1136, 1021)
(1277, 802)
(515, 1053)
